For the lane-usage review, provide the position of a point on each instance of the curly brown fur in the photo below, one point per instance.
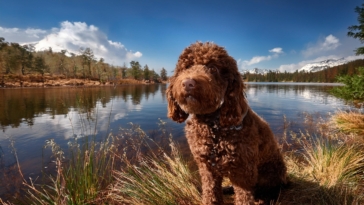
(226, 137)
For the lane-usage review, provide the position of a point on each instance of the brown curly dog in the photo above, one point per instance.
(226, 137)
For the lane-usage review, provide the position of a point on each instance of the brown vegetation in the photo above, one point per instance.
(34, 80)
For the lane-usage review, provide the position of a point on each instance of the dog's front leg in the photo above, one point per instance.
(211, 185)
(243, 196)
(243, 183)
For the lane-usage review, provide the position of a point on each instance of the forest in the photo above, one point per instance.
(21, 60)
(16, 59)
(328, 75)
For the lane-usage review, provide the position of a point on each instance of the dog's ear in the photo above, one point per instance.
(235, 105)
(174, 110)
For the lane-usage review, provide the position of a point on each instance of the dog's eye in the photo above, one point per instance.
(212, 68)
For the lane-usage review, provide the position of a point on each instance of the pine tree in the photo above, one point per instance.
(135, 69)
(164, 74)
(357, 31)
(146, 72)
(40, 65)
(87, 59)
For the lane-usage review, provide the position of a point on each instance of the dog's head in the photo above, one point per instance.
(206, 79)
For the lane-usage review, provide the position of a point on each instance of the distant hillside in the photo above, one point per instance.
(326, 75)
(24, 61)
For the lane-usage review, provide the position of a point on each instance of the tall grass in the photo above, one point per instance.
(79, 179)
(324, 169)
(157, 179)
(154, 174)
(350, 122)
(148, 174)
(103, 172)
(81, 175)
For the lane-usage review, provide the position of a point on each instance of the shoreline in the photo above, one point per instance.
(47, 81)
(293, 83)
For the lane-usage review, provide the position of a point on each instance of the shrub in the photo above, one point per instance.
(353, 88)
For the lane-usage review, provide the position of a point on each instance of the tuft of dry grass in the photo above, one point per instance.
(324, 166)
(148, 174)
(349, 122)
(79, 179)
(155, 177)
(333, 171)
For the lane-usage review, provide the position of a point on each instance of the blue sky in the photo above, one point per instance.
(266, 34)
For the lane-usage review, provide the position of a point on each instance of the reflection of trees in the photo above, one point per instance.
(163, 91)
(22, 105)
(137, 92)
(154, 89)
(151, 89)
(136, 95)
(15, 110)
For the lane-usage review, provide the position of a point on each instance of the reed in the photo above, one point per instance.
(324, 168)
(156, 179)
(349, 122)
(81, 178)
(81, 175)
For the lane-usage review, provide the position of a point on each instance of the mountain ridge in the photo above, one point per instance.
(322, 65)
(310, 67)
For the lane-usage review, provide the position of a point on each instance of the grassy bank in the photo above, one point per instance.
(36, 80)
(325, 166)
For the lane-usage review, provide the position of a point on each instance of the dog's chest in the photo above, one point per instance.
(214, 146)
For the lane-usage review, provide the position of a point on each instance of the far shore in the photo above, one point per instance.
(295, 83)
(38, 81)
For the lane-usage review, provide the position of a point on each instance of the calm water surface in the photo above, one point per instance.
(31, 116)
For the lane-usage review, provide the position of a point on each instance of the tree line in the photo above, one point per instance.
(328, 75)
(23, 59)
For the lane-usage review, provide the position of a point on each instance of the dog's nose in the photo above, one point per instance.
(188, 84)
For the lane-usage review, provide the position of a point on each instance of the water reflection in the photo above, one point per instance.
(273, 101)
(22, 106)
(31, 116)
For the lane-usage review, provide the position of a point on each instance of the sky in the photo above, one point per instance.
(266, 34)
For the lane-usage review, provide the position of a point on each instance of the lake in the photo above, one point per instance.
(30, 116)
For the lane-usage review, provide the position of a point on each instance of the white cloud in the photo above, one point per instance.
(329, 43)
(257, 59)
(276, 50)
(36, 33)
(138, 54)
(352, 58)
(72, 36)
(8, 30)
(22, 35)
